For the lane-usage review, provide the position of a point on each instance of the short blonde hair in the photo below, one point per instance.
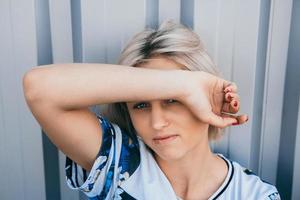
(174, 41)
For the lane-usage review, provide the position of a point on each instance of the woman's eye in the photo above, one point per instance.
(139, 105)
(171, 101)
(145, 104)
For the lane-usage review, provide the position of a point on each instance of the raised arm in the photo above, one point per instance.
(59, 95)
(72, 86)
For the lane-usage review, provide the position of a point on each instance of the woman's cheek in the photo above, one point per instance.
(139, 123)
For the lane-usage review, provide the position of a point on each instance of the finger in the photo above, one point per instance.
(232, 107)
(240, 119)
(229, 96)
(231, 87)
(221, 121)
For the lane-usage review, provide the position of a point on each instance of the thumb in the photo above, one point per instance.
(220, 121)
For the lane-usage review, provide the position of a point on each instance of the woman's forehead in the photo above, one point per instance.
(161, 62)
(133, 102)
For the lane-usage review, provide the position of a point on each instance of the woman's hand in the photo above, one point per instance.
(214, 100)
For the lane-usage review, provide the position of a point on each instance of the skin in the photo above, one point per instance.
(188, 152)
(63, 113)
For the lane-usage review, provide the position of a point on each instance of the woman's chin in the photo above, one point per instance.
(170, 155)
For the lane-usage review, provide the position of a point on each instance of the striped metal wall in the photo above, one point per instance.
(254, 42)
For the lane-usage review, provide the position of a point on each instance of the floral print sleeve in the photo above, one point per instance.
(116, 161)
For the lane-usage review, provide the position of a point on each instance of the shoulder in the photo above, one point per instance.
(249, 185)
(125, 147)
(118, 158)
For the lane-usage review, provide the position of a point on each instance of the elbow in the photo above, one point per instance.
(30, 84)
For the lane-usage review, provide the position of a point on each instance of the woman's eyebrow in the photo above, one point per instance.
(133, 102)
(142, 101)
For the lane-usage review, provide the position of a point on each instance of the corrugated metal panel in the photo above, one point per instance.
(280, 17)
(296, 174)
(248, 41)
(21, 162)
(169, 9)
(61, 31)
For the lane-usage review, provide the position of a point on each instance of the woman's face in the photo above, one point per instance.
(168, 127)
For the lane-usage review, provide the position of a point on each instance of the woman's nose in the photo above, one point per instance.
(158, 119)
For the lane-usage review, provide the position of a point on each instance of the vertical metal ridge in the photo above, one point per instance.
(152, 14)
(45, 56)
(76, 30)
(286, 157)
(43, 32)
(261, 76)
(296, 174)
(187, 13)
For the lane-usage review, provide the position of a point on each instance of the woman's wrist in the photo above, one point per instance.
(189, 82)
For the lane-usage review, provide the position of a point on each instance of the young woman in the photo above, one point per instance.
(165, 102)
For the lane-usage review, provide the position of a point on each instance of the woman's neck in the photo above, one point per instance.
(198, 172)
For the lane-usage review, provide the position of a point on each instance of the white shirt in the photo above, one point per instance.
(129, 171)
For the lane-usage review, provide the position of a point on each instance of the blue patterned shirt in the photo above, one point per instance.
(126, 169)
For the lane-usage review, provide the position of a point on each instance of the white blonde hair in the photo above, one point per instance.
(174, 41)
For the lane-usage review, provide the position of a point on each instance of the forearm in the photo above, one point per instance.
(72, 86)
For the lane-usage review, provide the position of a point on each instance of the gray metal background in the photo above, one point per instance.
(255, 43)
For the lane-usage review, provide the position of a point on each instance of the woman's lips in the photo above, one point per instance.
(164, 139)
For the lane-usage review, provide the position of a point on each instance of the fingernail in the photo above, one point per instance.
(236, 123)
(227, 90)
(235, 104)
